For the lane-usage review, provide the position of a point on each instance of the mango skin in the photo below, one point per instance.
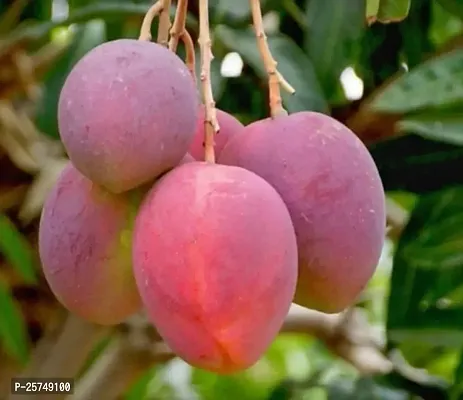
(187, 158)
(334, 193)
(127, 113)
(215, 260)
(229, 127)
(85, 237)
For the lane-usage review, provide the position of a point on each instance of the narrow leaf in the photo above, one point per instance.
(13, 334)
(444, 128)
(435, 83)
(16, 250)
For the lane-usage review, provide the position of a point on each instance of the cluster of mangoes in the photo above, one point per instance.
(292, 211)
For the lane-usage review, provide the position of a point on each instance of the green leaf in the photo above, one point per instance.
(86, 37)
(105, 11)
(459, 370)
(13, 334)
(16, 250)
(426, 301)
(434, 125)
(393, 10)
(228, 387)
(414, 32)
(11, 16)
(332, 40)
(453, 6)
(414, 164)
(236, 9)
(457, 389)
(435, 83)
(295, 66)
(445, 25)
(372, 10)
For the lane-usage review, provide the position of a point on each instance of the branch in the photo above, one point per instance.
(275, 79)
(164, 24)
(115, 370)
(190, 59)
(178, 26)
(397, 218)
(135, 349)
(153, 12)
(179, 32)
(347, 334)
(210, 120)
(65, 356)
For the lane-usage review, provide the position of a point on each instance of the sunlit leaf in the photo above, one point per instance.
(16, 250)
(372, 8)
(445, 25)
(393, 10)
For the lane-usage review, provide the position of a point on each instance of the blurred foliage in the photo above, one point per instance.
(398, 85)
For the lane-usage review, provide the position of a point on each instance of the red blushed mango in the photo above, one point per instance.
(229, 127)
(215, 260)
(127, 113)
(85, 248)
(334, 193)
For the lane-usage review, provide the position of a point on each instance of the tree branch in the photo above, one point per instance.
(136, 348)
(66, 356)
(347, 334)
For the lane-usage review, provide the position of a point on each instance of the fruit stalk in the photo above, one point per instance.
(164, 24)
(179, 32)
(178, 27)
(190, 59)
(153, 12)
(205, 46)
(275, 79)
